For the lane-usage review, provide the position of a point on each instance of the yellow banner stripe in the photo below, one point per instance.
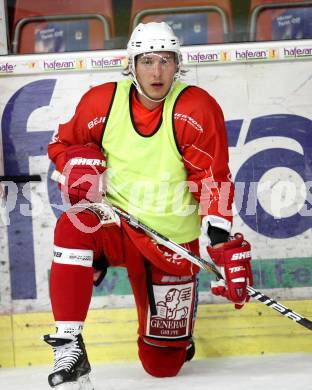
(111, 334)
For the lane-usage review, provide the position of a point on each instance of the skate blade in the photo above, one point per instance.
(83, 383)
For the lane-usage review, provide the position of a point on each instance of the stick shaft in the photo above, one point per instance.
(206, 265)
(210, 267)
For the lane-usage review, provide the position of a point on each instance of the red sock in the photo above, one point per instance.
(70, 291)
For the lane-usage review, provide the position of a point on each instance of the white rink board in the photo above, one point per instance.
(268, 92)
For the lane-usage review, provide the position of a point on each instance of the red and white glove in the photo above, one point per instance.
(83, 172)
(233, 260)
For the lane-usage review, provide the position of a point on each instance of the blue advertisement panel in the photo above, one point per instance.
(294, 23)
(55, 37)
(191, 29)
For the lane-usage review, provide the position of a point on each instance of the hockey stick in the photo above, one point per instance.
(202, 263)
(210, 267)
(21, 178)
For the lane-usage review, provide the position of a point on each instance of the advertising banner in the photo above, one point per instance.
(267, 108)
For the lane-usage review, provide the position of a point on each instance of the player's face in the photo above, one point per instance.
(155, 73)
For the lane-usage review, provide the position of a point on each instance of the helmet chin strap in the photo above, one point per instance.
(141, 92)
(154, 100)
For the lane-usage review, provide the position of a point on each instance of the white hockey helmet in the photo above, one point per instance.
(152, 37)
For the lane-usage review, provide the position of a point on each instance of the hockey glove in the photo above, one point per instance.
(83, 171)
(233, 259)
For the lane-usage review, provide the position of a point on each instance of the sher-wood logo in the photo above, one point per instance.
(173, 305)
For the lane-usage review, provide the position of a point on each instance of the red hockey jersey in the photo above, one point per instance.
(199, 132)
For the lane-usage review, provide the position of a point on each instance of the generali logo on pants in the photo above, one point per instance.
(174, 304)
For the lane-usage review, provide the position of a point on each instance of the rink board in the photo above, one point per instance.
(265, 91)
(268, 118)
(110, 334)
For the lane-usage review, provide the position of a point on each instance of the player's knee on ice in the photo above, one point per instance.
(161, 361)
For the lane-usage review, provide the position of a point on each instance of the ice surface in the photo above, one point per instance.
(289, 371)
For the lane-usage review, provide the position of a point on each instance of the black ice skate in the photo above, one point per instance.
(71, 365)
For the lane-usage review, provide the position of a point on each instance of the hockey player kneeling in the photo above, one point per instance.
(159, 143)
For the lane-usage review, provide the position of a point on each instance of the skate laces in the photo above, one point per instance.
(65, 356)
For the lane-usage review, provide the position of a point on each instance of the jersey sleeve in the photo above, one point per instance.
(202, 141)
(86, 126)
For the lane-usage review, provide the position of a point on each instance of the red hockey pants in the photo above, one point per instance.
(163, 284)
